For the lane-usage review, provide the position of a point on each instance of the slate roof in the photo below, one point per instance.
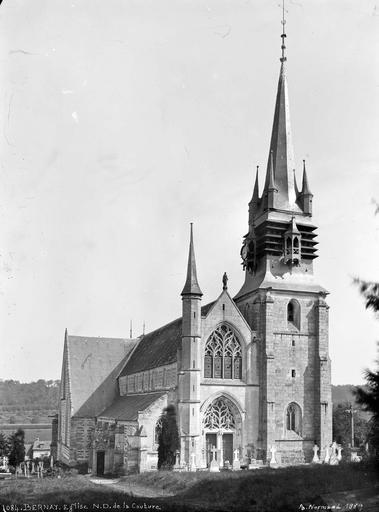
(159, 347)
(94, 365)
(41, 445)
(126, 408)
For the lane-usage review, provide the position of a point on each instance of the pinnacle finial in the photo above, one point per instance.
(305, 188)
(225, 281)
(191, 286)
(256, 186)
(284, 35)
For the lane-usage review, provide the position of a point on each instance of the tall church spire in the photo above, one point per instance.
(191, 286)
(281, 139)
(282, 216)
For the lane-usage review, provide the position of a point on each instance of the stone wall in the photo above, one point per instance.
(81, 435)
(289, 355)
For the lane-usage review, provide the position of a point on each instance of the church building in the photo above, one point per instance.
(249, 375)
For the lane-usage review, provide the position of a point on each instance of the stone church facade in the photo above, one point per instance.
(245, 374)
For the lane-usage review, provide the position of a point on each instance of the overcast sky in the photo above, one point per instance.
(122, 121)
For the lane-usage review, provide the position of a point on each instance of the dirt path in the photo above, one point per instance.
(132, 489)
(365, 500)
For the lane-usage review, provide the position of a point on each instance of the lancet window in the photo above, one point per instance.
(293, 418)
(293, 314)
(223, 355)
(219, 415)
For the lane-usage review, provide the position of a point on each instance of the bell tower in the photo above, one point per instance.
(283, 302)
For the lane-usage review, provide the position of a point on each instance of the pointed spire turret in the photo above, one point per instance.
(305, 188)
(306, 196)
(254, 201)
(191, 286)
(255, 197)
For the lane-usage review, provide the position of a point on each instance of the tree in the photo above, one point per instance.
(168, 439)
(4, 446)
(17, 448)
(342, 425)
(368, 395)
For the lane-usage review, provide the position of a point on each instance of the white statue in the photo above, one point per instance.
(273, 451)
(315, 459)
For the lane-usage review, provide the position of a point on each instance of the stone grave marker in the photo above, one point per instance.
(236, 461)
(214, 466)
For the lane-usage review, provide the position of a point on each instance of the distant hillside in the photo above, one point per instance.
(31, 402)
(343, 393)
(34, 402)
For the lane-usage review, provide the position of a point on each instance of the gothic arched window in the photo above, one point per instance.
(219, 415)
(293, 418)
(293, 314)
(223, 355)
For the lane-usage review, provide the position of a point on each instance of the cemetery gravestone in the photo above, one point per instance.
(214, 466)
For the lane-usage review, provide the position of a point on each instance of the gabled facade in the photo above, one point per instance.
(247, 375)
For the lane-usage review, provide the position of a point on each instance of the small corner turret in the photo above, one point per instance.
(191, 286)
(305, 197)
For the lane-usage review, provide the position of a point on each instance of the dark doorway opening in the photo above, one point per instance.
(100, 457)
(227, 447)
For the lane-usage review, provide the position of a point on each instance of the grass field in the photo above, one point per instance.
(263, 490)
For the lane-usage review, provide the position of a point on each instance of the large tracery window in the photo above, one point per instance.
(223, 355)
(219, 415)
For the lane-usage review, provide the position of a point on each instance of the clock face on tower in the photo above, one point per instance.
(244, 252)
(248, 255)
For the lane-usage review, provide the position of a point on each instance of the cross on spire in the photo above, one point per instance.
(284, 35)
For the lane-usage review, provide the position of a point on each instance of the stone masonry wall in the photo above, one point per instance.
(81, 432)
(290, 367)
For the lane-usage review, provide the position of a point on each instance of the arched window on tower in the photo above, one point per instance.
(223, 355)
(293, 418)
(293, 314)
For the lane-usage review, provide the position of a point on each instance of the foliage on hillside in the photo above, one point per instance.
(368, 396)
(41, 393)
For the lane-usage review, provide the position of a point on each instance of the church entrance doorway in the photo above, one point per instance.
(221, 427)
(100, 457)
(227, 447)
